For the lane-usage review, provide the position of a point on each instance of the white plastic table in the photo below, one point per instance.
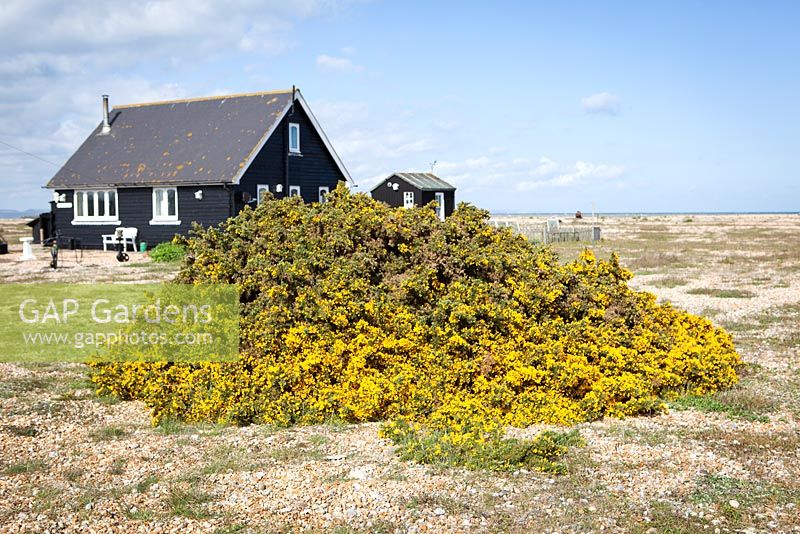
(27, 249)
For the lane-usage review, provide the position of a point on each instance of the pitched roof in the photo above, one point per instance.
(422, 180)
(208, 140)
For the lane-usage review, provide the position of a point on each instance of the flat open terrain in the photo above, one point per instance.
(730, 463)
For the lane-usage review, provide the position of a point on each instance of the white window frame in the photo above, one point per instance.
(259, 189)
(440, 201)
(93, 195)
(294, 126)
(408, 199)
(165, 219)
(322, 193)
(293, 188)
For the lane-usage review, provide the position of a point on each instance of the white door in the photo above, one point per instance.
(261, 191)
(440, 206)
(408, 199)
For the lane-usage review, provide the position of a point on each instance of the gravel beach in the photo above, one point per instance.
(74, 462)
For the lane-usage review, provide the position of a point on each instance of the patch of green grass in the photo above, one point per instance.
(709, 312)
(341, 476)
(227, 459)
(232, 528)
(377, 526)
(639, 435)
(21, 431)
(109, 432)
(666, 518)
(722, 293)
(188, 502)
(734, 403)
(336, 424)
(435, 500)
(654, 260)
(318, 440)
(295, 453)
(28, 466)
(721, 490)
(79, 384)
(172, 427)
(26, 385)
(47, 498)
(135, 514)
(480, 450)
(74, 474)
(397, 473)
(48, 407)
(146, 483)
(109, 400)
(118, 466)
(670, 282)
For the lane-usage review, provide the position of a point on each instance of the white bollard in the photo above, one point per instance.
(27, 249)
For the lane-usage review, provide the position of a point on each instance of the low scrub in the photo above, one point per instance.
(168, 252)
(478, 443)
(722, 293)
(356, 311)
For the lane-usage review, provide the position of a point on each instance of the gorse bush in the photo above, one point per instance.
(167, 252)
(478, 443)
(357, 311)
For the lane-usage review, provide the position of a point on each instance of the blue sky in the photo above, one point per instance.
(526, 107)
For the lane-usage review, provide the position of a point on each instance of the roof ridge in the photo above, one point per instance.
(202, 98)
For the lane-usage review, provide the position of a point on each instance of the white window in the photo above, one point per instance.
(261, 191)
(294, 137)
(165, 205)
(439, 205)
(323, 192)
(408, 199)
(96, 206)
(294, 190)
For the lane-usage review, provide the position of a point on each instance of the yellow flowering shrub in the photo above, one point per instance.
(357, 311)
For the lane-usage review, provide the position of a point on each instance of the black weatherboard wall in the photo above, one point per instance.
(395, 198)
(312, 168)
(135, 205)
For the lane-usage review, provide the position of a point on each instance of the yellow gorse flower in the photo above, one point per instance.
(357, 311)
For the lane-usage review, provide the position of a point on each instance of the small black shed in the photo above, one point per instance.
(409, 189)
(41, 227)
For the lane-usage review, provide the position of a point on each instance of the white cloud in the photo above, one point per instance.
(56, 58)
(546, 166)
(579, 173)
(602, 103)
(337, 64)
(376, 142)
(89, 26)
(446, 125)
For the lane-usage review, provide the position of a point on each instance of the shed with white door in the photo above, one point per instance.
(410, 189)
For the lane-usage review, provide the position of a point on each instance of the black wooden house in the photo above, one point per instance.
(409, 189)
(160, 166)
